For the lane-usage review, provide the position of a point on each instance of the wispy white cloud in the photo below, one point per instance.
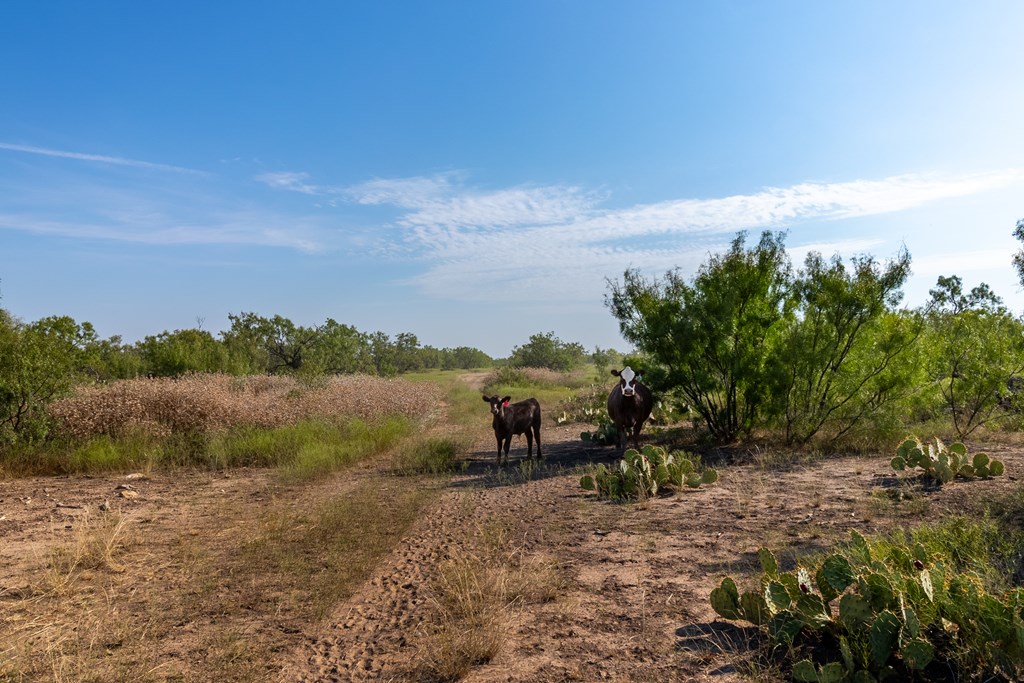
(238, 229)
(295, 182)
(104, 159)
(558, 241)
(562, 241)
(409, 193)
(437, 201)
(190, 210)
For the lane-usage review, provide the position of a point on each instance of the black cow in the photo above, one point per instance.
(514, 419)
(629, 404)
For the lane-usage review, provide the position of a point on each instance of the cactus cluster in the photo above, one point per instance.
(888, 617)
(605, 434)
(941, 463)
(642, 474)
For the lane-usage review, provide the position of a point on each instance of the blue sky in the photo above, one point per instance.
(475, 172)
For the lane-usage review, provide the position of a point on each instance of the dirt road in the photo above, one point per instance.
(634, 604)
(632, 580)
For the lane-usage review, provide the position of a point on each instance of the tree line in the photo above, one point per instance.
(45, 359)
(751, 344)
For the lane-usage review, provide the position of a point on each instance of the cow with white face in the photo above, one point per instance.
(629, 405)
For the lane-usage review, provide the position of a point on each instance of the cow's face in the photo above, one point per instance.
(627, 380)
(497, 404)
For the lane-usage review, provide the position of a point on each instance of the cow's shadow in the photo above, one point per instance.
(560, 458)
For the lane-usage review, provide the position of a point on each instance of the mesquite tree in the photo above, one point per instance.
(838, 355)
(713, 337)
(1018, 258)
(976, 349)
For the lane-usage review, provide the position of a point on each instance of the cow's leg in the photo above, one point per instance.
(499, 449)
(508, 444)
(536, 435)
(636, 435)
(529, 444)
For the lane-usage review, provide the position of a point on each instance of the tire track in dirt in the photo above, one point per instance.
(634, 606)
(377, 634)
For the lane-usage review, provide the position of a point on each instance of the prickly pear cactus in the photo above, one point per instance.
(644, 473)
(725, 600)
(941, 463)
(881, 606)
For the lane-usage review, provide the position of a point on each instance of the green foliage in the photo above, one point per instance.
(888, 608)
(507, 376)
(836, 358)
(39, 362)
(643, 474)
(269, 345)
(464, 358)
(1018, 258)
(942, 464)
(340, 350)
(548, 351)
(257, 344)
(606, 359)
(171, 354)
(585, 405)
(749, 345)
(713, 336)
(606, 433)
(975, 350)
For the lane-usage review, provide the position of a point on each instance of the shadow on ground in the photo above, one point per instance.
(560, 457)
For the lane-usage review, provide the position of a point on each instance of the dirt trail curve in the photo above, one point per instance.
(635, 604)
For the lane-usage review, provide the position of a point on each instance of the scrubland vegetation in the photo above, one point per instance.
(748, 356)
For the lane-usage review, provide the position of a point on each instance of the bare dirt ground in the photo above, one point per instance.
(635, 579)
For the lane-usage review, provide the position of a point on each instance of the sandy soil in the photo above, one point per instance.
(635, 607)
(634, 604)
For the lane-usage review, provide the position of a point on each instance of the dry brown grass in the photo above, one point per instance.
(211, 403)
(123, 599)
(74, 612)
(475, 597)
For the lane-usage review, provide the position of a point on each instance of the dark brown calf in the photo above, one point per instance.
(513, 419)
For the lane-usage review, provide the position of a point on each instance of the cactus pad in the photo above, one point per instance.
(917, 654)
(854, 611)
(769, 565)
(725, 600)
(755, 609)
(837, 572)
(883, 635)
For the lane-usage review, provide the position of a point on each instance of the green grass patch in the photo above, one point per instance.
(440, 455)
(302, 451)
(347, 444)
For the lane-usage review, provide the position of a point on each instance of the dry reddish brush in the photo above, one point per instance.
(211, 403)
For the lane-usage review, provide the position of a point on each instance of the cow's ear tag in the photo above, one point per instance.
(505, 404)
